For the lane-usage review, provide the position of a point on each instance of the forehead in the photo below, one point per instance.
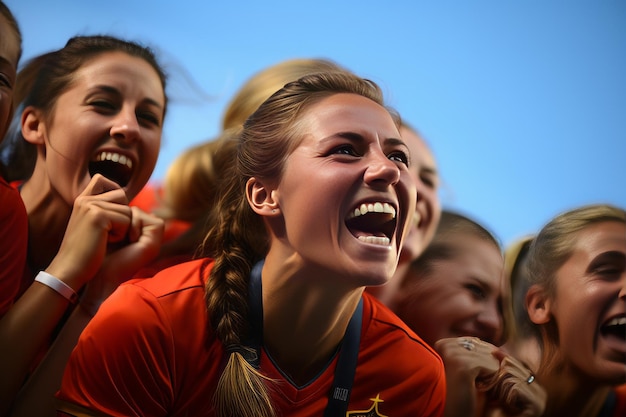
(349, 112)
(122, 70)
(601, 237)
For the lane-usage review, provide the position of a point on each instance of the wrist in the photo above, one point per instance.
(57, 285)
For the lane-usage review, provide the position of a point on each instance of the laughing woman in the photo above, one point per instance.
(577, 271)
(278, 324)
(94, 116)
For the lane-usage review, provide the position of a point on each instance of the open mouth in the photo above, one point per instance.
(373, 223)
(615, 328)
(116, 167)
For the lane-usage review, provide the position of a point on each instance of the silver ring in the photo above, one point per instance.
(467, 344)
(530, 379)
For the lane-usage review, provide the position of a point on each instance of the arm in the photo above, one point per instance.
(122, 362)
(98, 223)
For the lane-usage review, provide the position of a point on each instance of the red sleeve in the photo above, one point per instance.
(130, 342)
(13, 244)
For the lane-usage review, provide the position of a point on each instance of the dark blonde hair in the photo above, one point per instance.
(239, 237)
(552, 247)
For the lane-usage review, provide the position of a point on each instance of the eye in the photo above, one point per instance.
(429, 181)
(345, 149)
(399, 156)
(609, 272)
(476, 291)
(149, 118)
(5, 81)
(103, 105)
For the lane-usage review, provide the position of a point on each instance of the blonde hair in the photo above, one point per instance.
(516, 280)
(239, 236)
(266, 82)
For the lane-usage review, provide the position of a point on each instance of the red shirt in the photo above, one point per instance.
(151, 352)
(13, 245)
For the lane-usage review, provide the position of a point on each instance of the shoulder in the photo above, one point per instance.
(382, 321)
(399, 362)
(174, 279)
(389, 337)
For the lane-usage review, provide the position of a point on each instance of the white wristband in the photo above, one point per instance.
(59, 286)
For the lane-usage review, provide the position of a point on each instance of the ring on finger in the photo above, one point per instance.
(467, 344)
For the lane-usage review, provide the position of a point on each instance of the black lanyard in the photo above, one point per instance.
(339, 396)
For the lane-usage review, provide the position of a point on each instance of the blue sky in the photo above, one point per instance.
(523, 103)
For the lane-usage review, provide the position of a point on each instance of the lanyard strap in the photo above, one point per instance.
(339, 395)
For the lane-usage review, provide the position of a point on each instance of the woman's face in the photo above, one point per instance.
(589, 304)
(108, 121)
(9, 52)
(459, 296)
(428, 208)
(346, 192)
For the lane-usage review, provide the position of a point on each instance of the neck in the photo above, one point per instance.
(305, 316)
(570, 394)
(48, 216)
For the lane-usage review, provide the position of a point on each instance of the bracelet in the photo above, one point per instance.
(57, 285)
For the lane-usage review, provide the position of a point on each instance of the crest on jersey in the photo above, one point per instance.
(372, 412)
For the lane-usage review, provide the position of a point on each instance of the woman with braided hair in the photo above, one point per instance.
(275, 321)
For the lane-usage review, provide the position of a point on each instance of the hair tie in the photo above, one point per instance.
(249, 354)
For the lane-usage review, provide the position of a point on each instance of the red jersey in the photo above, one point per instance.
(620, 401)
(150, 351)
(13, 245)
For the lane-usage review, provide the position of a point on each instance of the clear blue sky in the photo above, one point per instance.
(523, 102)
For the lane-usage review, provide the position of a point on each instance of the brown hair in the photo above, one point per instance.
(268, 137)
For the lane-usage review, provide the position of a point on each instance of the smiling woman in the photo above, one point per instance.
(577, 297)
(97, 96)
(278, 323)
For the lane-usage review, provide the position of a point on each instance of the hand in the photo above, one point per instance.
(125, 258)
(469, 364)
(100, 215)
(514, 392)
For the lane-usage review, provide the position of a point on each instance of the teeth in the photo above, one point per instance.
(373, 208)
(617, 321)
(376, 240)
(115, 157)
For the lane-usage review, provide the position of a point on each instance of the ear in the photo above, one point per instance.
(33, 126)
(261, 198)
(538, 305)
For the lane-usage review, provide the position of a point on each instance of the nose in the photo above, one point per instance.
(622, 292)
(381, 170)
(125, 126)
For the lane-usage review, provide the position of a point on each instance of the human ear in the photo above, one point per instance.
(33, 127)
(538, 305)
(261, 198)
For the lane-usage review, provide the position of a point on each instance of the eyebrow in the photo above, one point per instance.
(113, 90)
(611, 256)
(357, 137)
